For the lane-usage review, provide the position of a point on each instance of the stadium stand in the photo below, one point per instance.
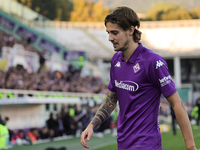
(82, 40)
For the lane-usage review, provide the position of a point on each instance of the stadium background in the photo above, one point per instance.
(85, 46)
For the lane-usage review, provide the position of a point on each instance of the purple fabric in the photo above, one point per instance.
(139, 84)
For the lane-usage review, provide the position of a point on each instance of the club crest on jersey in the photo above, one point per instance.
(136, 68)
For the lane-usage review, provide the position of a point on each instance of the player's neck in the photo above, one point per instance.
(130, 50)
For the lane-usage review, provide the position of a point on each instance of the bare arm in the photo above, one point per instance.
(183, 120)
(101, 115)
(105, 109)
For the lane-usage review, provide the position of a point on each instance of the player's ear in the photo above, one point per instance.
(131, 30)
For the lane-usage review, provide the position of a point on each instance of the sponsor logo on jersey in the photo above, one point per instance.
(136, 68)
(159, 64)
(127, 85)
(165, 80)
(118, 64)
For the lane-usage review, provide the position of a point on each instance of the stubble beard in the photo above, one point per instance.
(124, 47)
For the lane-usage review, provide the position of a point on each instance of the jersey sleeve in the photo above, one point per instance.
(160, 76)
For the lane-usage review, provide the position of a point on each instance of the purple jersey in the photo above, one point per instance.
(139, 84)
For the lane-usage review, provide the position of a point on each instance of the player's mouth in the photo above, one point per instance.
(115, 45)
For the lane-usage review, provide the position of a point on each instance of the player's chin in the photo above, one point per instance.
(116, 49)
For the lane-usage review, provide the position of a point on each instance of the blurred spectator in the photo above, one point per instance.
(52, 124)
(41, 60)
(44, 133)
(86, 120)
(69, 124)
(51, 134)
(82, 113)
(4, 135)
(10, 131)
(198, 106)
(20, 139)
(32, 135)
(60, 127)
(194, 113)
(2, 121)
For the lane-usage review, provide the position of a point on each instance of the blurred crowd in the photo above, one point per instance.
(70, 81)
(9, 41)
(17, 77)
(70, 121)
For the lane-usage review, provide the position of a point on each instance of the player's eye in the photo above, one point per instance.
(115, 33)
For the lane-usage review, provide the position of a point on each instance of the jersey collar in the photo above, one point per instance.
(135, 54)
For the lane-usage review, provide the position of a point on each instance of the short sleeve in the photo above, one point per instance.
(160, 76)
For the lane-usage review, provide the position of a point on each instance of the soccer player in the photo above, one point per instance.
(138, 76)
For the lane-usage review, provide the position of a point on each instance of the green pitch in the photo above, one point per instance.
(108, 142)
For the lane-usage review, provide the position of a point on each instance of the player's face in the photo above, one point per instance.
(117, 36)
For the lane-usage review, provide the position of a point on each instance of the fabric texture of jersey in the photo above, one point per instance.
(139, 83)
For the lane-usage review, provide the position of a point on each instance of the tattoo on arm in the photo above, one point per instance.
(105, 109)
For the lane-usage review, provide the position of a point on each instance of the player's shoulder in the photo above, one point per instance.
(116, 56)
(151, 57)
